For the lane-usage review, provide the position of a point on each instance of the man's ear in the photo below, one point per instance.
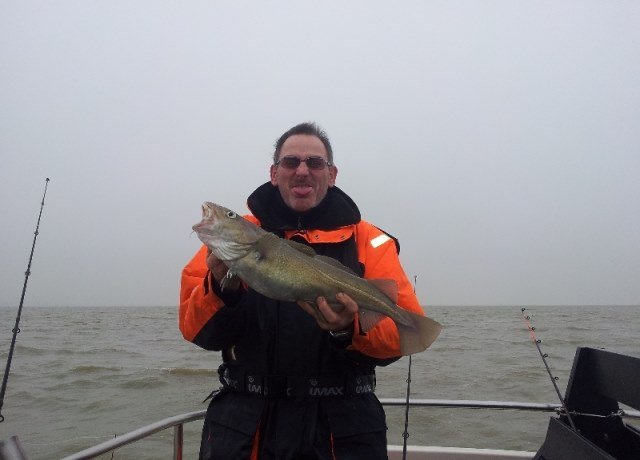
(333, 172)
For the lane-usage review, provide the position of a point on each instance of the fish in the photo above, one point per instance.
(286, 270)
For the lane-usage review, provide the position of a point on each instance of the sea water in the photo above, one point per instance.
(80, 376)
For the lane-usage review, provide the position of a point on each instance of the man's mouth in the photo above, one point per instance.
(302, 189)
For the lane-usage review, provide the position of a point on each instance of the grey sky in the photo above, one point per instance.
(498, 140)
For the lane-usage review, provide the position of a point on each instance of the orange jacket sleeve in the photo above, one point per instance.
(377, 252)
(197, 304)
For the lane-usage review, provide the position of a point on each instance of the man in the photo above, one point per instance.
(297, 381)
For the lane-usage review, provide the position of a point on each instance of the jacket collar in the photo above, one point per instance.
(336, 210)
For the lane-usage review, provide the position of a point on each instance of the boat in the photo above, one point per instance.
(588, 423)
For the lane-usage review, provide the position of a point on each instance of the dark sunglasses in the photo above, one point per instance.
(290, 162)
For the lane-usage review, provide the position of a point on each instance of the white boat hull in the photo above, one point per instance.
(456, 453)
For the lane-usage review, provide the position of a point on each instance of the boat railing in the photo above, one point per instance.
(177, 422)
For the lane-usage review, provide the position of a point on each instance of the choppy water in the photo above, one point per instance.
(82, 375)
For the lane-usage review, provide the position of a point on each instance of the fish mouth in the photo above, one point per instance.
(208, 217)
(207, 211)
(199, 227)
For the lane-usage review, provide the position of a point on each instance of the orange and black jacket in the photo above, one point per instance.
(377, 257)
(274, 338)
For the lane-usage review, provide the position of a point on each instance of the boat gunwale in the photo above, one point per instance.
(178, 421)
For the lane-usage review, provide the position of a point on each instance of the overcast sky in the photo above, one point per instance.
(498, 140)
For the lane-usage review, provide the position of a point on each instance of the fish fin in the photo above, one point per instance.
(388, 287)
(368, 319)
(419, 336)
(334, 263)
(307, 250)
(230, 280)
(303, 248)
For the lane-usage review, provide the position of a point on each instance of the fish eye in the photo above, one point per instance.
(231, 215)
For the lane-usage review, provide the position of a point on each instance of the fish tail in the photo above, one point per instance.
(418, 336)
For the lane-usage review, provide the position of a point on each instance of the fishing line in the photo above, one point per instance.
(537, 341)
(16, 328)
(405, 434)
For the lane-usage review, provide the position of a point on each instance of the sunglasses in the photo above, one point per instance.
(291, 162)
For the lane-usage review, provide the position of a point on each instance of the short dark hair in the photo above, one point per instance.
(307, 128)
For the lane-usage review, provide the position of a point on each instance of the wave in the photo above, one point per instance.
(143, 383)
(189, 372)
(92, 369)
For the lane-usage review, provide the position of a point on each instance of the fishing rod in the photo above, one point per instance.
(405, 434)
(16, 328)
(544, 356)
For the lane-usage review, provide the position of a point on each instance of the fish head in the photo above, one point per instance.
(227, 234)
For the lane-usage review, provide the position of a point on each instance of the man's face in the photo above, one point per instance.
(303, 188)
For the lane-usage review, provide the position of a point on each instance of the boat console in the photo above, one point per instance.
(591, 426)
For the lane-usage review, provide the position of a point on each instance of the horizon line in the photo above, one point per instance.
(524, 305)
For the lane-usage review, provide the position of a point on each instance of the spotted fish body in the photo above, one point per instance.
(285, 270)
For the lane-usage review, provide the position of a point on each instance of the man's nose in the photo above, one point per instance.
(302, 168)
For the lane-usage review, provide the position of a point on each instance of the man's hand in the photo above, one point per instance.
(219, 271)
(330, 319)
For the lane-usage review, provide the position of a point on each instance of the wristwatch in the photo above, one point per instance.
(343, 334)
